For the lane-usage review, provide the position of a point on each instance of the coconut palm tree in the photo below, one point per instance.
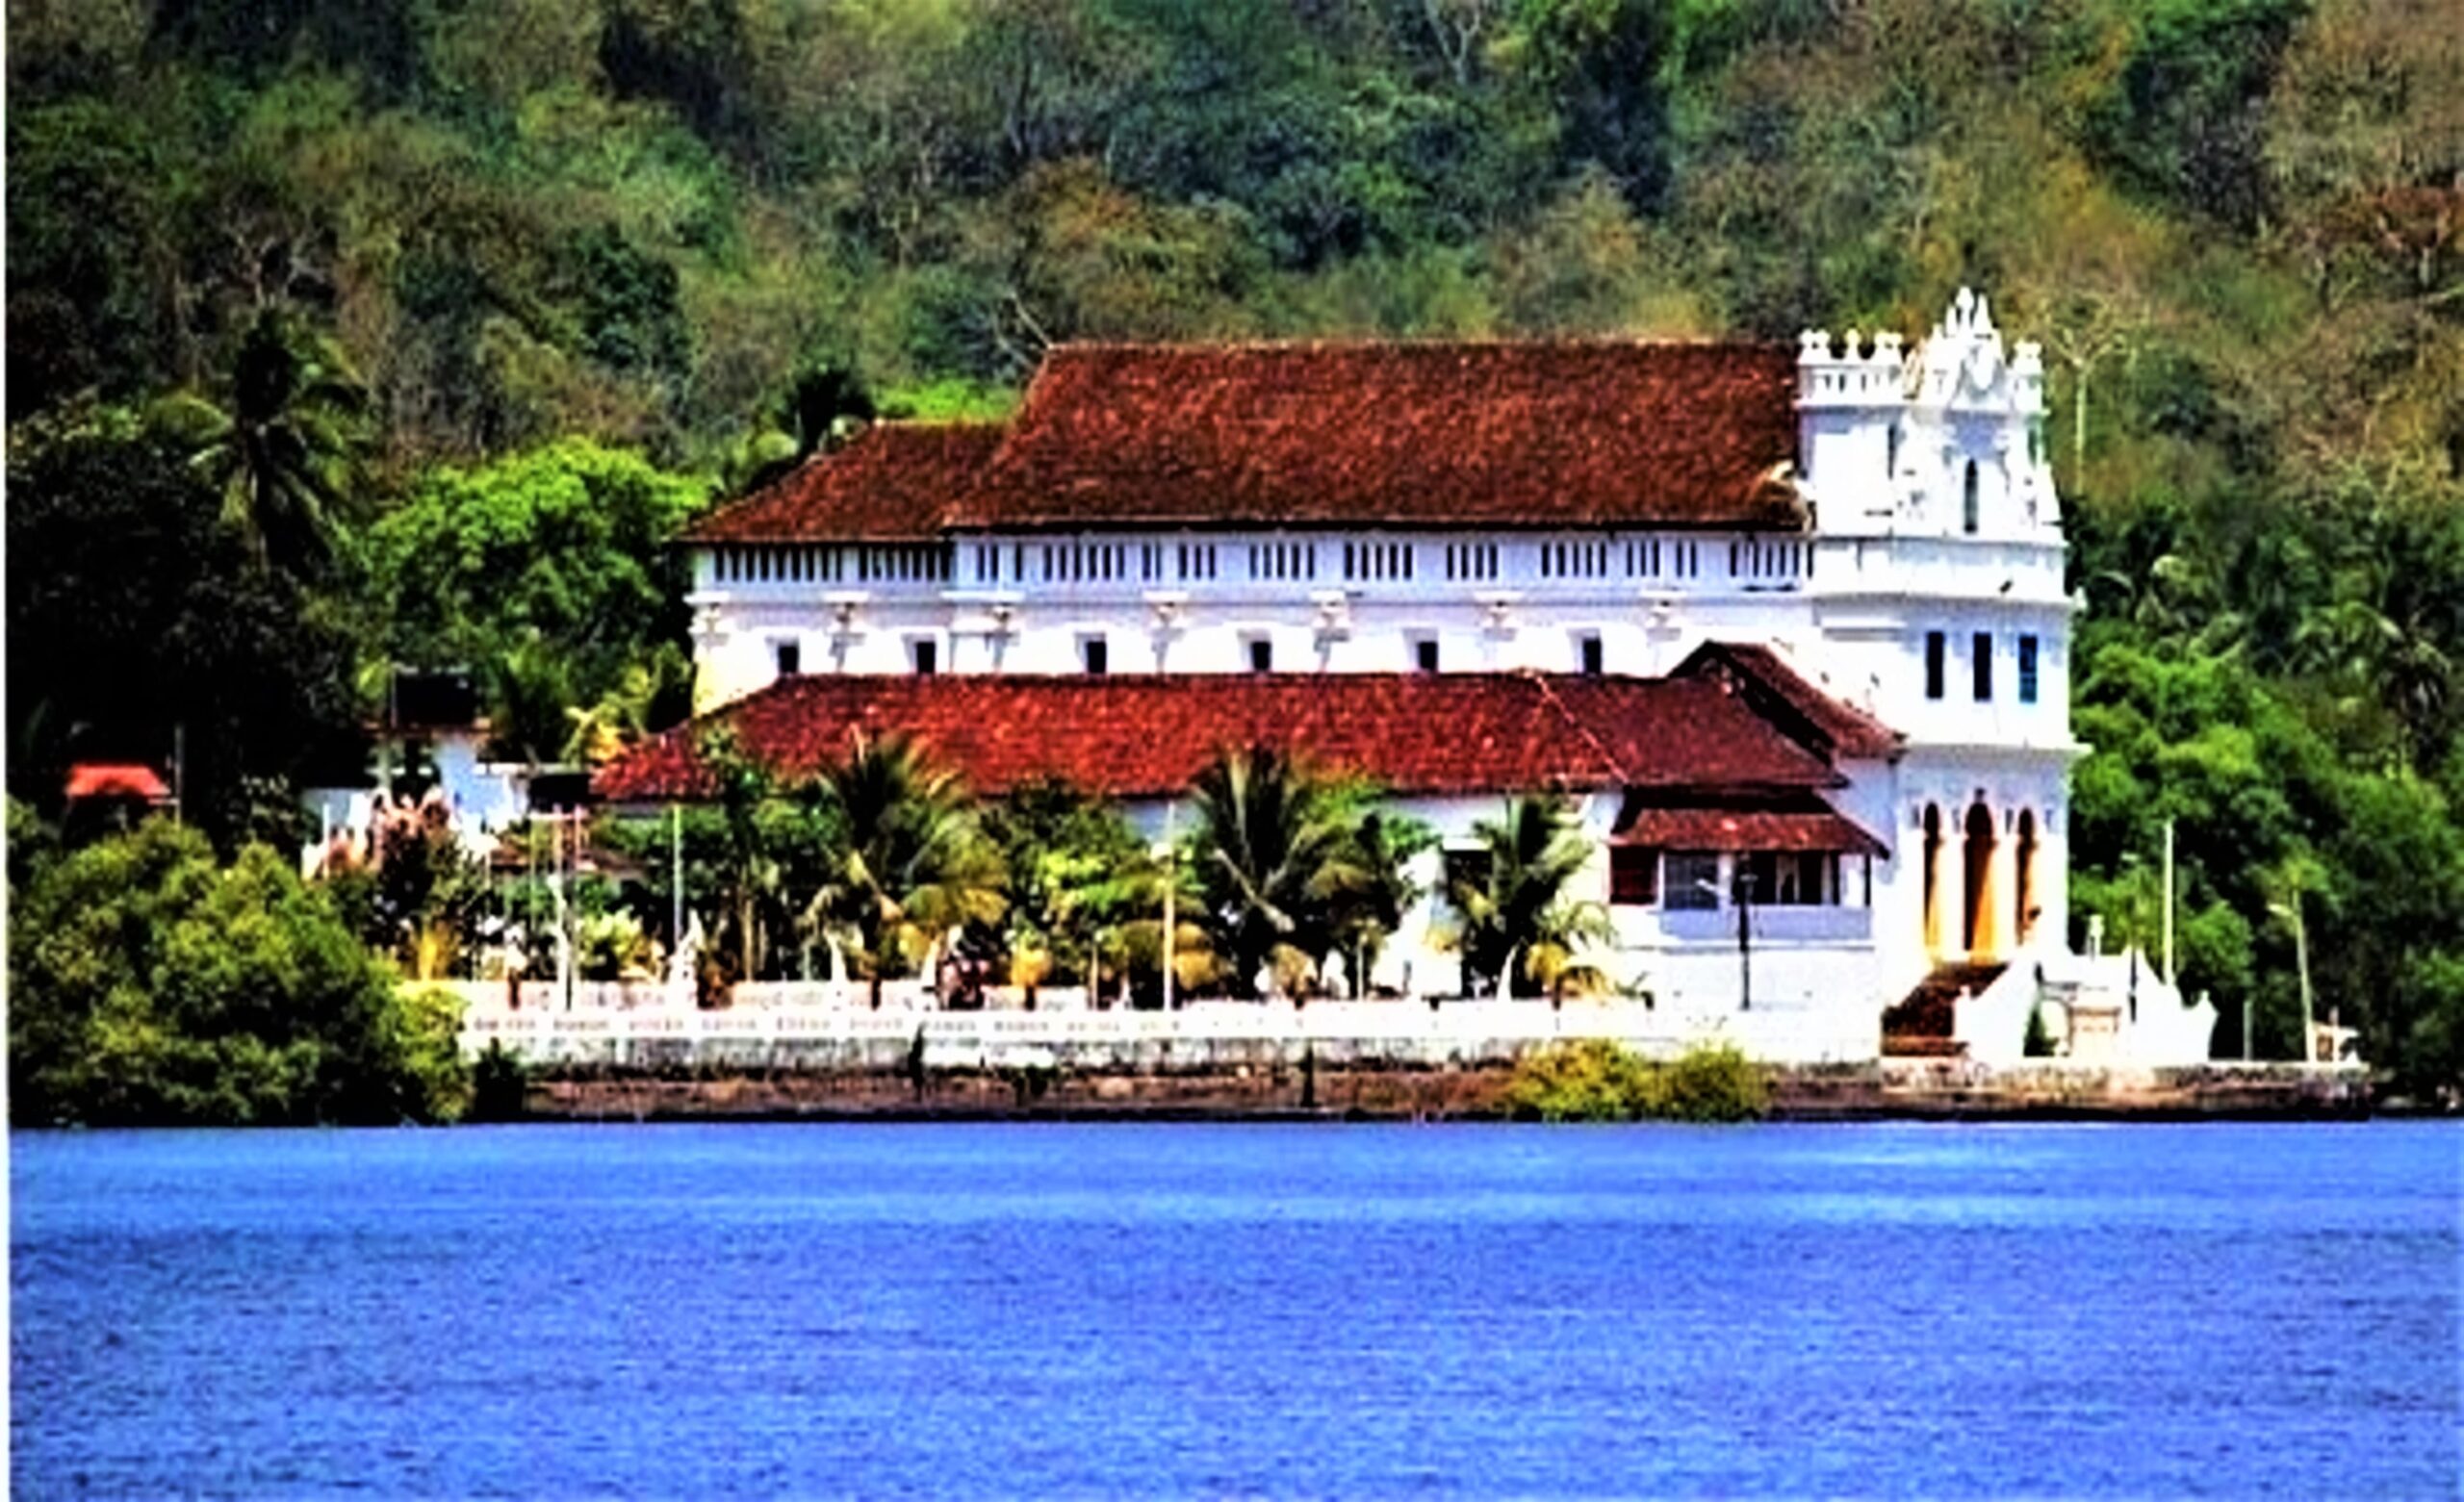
(1275, 857)
(908, 863)
(1384, 847)
(750, 865)
(283, 451)
(1518, 931)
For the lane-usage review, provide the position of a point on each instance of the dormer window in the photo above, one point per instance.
(1968, 511)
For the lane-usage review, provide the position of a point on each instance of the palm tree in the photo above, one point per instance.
(908, 864)
(1384, 847)
(752, 872)
(631, 711)
(1275, 857)
(282, 453)
(1518, 931)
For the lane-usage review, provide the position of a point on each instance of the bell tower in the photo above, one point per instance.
(1939, 604)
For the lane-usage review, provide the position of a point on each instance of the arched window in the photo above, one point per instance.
(2024, 877)
(1967, 501)
(1932, 824)
(1976, 931)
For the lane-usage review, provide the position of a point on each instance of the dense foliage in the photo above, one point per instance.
(150, 985)
(324, 318)
(1595, 1079)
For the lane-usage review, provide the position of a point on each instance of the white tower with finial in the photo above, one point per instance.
(1940, 603)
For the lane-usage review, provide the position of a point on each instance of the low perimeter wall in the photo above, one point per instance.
(651, 1028)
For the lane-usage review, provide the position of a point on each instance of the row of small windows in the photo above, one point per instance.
(1078, 563)
(1980, 666)
(1095, 654)
(1471, 560)
(1690, 880)
(1378, 560)
(927, 563)
(1072, 563)
(1283, 560)
(1647, 557)
(1769, 560)
(1586, 560)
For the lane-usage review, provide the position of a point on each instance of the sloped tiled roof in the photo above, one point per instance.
(893, 482)
(116, 780)
(1829, 726)
(1534, 434)
(1796, 822)
(1144, 735)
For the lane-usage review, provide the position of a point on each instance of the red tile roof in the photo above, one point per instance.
(1803, 822)
(114, 780)
(893, 482)
(1560, 433)
(1825, 724)
(1145, 735)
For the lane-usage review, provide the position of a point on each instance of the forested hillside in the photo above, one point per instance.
(342, 333)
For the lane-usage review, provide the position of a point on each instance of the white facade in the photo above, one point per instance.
(1926, 587)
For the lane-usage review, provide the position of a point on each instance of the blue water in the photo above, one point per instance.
(1117, 1311)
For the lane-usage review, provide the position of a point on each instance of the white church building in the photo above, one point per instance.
(1789, 625)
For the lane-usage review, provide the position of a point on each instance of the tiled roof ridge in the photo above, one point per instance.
(777, 507)
(1549, 696)
(1415, 341)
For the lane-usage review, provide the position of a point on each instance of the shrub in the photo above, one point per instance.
(500, 1084)
(1710, 1083)
(1596, 1080)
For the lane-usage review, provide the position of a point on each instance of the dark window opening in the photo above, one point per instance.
(1633, 876)
(790, 658)
(1592, 659)
(1261, 655)
(928, 657)
(1097, 652)
(1981, 655)
(1968, 509)
(1424, 655)
(1935, 652)
(2027, 669)
(1693, 880)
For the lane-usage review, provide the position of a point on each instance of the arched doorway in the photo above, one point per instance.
(2024, 877)
(1977, 932)
(1932, 880)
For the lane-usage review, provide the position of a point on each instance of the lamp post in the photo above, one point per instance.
(1169, 856)
(1743, 892)
(2301, 962)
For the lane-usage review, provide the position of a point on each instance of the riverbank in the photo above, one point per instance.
(1890, 1090)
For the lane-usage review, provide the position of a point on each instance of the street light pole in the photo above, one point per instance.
(1171, 881)
(2301, 961)
(2292, 910)
(1745, 940)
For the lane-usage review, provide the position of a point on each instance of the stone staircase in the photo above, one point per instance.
(1924, 1025)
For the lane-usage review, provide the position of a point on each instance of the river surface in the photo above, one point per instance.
(740, 1310)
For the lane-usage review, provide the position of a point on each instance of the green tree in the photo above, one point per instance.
(1077, 875)
(909, 866)
(283, 451)
(1520, 932)
(1368, 910)
(1276, 852)
(161, 628)
(549, 570)
(149, 985)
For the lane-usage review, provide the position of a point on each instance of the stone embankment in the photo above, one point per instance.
(1925, 1089)
(818, 1052)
